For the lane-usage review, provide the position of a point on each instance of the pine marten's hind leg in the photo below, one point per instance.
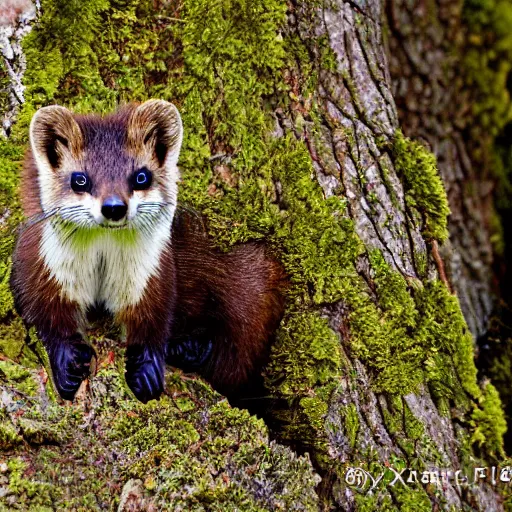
(190, 351)
(240, 315)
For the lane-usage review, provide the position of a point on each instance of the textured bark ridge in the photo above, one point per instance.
(16, 18)
(292, 135)
(358, 124)
(426, 48)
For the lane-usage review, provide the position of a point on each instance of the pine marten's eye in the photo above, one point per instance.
(141, 179)
(80, 182)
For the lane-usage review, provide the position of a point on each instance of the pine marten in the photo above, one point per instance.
(103, 230)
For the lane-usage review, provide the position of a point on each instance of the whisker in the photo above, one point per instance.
(80, 215)
(37, 218)
(34, 220)
(149, 214)
(154, 205)
(187, 208)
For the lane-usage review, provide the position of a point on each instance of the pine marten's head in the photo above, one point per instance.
(118, 171)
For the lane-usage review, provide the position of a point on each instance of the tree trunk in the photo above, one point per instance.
(292, 136)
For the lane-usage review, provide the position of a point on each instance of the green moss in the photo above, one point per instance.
(396, 417)
(70, 67)
(411, 500)
(307, 350)
(10, 215)
(409, 434)
(372, 503)
(19, 376)
(9, 437)
(12, 333)
(140, 430)
(315, 410)
(11, 329)
(208, 455)
(350, 423)
(424, 189)
(448, 342)
(418, 335)
(29, 490)
(489, 423)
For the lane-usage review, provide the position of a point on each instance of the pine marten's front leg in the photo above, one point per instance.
(70, 359)
(148, 326)
(145, 357)
(57, 320)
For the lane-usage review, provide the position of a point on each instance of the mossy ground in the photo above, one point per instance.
(223, 64)
(79, 457)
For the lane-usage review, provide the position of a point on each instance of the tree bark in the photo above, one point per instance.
(293, 136)
(15, 23)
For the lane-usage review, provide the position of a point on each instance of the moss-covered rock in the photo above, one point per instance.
(190, 450)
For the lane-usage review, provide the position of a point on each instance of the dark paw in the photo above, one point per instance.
(144, 372)
(189, 354)
(71, 364)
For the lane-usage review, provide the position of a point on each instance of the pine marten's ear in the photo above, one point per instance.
(54, 134)
(155, 130)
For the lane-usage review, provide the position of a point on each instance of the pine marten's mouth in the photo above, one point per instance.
(114, 226)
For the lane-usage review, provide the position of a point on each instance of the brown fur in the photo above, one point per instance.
(151, 320)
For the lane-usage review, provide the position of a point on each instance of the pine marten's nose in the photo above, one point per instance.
(114, 208)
